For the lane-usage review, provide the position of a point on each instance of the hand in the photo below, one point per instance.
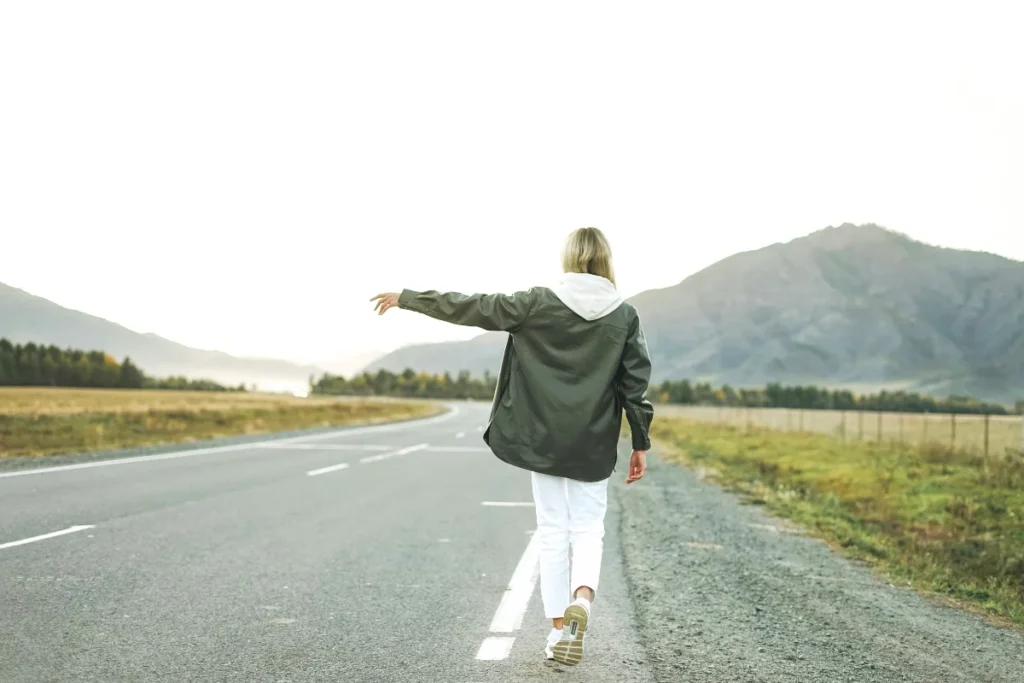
(385, 301)
(637, 466)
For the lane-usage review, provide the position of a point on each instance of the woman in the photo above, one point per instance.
(575, 359)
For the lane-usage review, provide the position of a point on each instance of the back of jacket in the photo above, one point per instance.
(574, 363)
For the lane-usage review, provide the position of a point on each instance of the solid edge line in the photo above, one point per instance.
(322, 447)
(459, 449)
(384, 456)
(500, 504)
(510, 612)
(494, 649)
(53, 534)
(231, 448)
(325, 470)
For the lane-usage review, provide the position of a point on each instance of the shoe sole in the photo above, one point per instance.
(570, 652)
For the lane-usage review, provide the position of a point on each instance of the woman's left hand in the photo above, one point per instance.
(385, 301)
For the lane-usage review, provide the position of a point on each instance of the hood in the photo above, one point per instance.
(588, 296)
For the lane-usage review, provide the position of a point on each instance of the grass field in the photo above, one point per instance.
(946, 522)
(46, 421)
(963, 432)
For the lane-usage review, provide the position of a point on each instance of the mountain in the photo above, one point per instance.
(855, 306)
(28, 318)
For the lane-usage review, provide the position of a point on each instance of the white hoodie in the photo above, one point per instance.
(588, 296)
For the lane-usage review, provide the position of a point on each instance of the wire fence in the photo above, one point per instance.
(985, 434)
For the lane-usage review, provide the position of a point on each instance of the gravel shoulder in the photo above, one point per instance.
(723, 593)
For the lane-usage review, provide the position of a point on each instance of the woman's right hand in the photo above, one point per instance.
(637, 466)
(385, 302)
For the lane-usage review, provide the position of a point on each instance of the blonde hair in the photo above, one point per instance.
(587, 251)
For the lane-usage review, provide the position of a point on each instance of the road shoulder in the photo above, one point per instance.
(723, 592)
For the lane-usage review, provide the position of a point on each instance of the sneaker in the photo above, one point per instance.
(569, 648)
(553, 637)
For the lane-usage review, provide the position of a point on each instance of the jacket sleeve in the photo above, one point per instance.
(631, 384)
(494, 312)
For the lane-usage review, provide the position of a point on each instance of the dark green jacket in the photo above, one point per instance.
(565, 380)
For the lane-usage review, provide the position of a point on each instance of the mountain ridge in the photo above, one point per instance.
(26, 317)
(848, 305)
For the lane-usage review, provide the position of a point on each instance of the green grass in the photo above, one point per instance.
(947, 523)
(44, 422)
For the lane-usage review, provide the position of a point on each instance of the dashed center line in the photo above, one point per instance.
(322, 447)
(459, 449)
(393, 454)
(495, 649)
(509, 616)
(325, 470)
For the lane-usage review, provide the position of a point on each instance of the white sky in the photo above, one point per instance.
(245, 175)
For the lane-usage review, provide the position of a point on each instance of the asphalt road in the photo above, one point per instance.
(403, 553)
(387, 564)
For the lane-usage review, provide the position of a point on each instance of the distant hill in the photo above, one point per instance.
(850, 306)
(28, 318)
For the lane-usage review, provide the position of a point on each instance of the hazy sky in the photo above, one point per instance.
(245, 175)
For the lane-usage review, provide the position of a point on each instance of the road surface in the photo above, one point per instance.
(404, 553)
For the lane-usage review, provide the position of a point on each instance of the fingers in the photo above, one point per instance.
(637, 467)
(384, 302)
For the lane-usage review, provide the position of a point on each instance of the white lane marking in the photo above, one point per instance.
(228, 449)
(324, 447)
(502, 504)
(426, 422)
(325, 470)
(69, 530)
(509, 616)
(458, 449)
(495, 649)
(460, 435)
(392, 454)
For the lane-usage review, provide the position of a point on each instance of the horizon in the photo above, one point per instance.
(288, 180)
(369, 355)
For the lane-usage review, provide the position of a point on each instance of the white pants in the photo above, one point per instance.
(570, 516)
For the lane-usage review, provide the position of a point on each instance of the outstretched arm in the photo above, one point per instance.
(493, 312)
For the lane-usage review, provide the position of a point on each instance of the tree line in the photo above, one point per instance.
(776, 395)
(38, 365)
(412, 384)
(408, 384)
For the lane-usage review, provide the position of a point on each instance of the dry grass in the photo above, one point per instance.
(56, 401)
(46, 421)
(962, 432)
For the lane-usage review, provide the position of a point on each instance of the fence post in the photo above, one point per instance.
(952, 435)
(986, 434)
